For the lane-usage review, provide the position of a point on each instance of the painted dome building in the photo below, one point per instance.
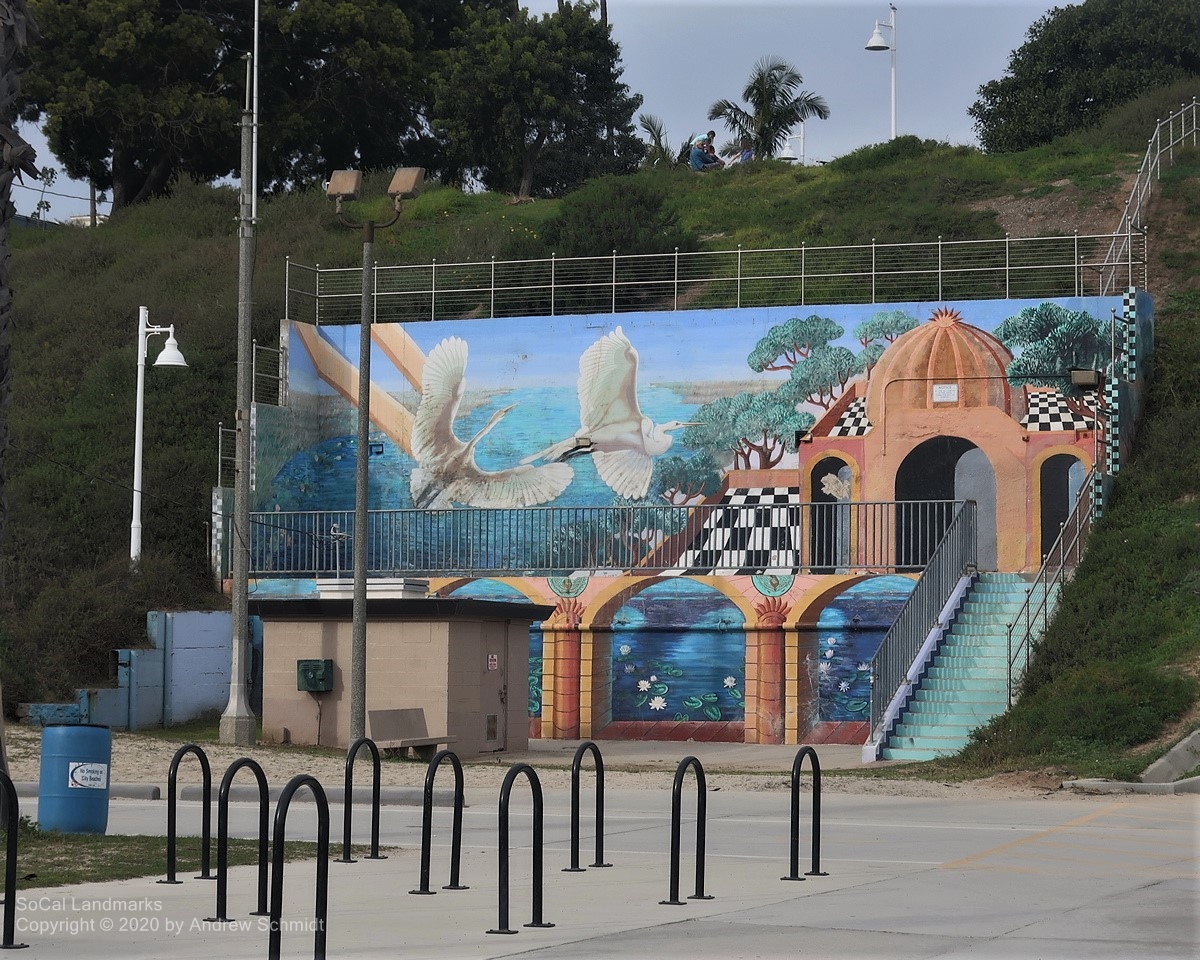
(937, 418)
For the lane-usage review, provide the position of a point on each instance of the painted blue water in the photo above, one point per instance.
(322, 477)
(679, 653)
(849, 631)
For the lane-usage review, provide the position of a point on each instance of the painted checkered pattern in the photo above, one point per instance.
(1129, 315)
(1048, 410)
(853, 422)
(761, 535)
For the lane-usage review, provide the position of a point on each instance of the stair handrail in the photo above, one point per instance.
(1041, 603)
(955, 556)
(1174, 131)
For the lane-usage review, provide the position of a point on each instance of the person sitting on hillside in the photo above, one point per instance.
(700, 159)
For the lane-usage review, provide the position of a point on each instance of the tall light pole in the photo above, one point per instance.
(169, 357)
(344, 185)
(238, 724)
(877, 42)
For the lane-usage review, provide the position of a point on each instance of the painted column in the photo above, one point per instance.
(770, 705)
(564, 704)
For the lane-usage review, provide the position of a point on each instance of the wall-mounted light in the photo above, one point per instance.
(1086, 378)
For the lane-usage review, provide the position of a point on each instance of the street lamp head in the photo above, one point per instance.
(343, 185)
(877, 42)
(170, 355)
(406, 183)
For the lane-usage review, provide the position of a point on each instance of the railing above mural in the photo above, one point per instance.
(1008, 268)
(706, 539)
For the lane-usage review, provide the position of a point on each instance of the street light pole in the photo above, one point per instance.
(877, 42)
(170, 357)
(238, 724)
(344, 185)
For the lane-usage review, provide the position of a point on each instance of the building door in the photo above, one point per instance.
(493, 688)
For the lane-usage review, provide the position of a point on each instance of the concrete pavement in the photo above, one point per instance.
(980, 877)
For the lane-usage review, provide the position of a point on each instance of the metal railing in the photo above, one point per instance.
(880, 536)
(1178, 130)
(954, 557)
(1040, 606)
(1004, 268)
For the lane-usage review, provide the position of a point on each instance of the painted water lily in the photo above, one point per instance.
(629, 668)
(832, 641)
(829, 653)
(658, 703)
(653, 679)
(643, 685)
(626, 649)
(823, 667)
(730, 682)
(863, 667)
(844, 686)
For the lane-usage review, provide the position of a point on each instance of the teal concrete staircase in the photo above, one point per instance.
(966, 682)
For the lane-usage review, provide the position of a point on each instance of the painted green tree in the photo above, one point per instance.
(748, 430)
(1052, 341)
(681, 480)
(878, 332)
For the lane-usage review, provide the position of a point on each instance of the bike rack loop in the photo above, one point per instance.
(223, 838)
(280, 832)
(348, 802)
(816, 816)
(427, 823)
(12, 814)
(676, 803)
(535, 787)
(584, 747)
(205, 816)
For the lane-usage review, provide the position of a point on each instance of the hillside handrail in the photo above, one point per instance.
(1176, 130)
(955, 556)
(1009, 267)
(1041, 603)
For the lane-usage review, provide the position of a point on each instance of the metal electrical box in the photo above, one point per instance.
(314, 676)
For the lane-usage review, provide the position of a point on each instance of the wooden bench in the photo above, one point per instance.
(403, 729)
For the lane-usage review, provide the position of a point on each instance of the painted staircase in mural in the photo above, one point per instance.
(966, 682)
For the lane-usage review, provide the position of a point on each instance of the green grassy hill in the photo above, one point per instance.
(1130, 635)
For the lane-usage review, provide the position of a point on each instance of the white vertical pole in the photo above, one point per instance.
(135, 525)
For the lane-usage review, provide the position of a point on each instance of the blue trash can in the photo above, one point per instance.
(73, 788)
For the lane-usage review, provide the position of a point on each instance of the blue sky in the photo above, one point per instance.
(682, 55)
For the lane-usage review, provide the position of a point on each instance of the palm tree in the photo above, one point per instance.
(775, 106)
(659, 152)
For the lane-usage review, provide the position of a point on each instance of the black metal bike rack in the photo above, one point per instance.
(816, 815)
(535, 787)
(348, 805)
(576, 764)
(701, 808)
(280, 833)
(12, 816)
(223, 838)
(427, 823)
(205, 815)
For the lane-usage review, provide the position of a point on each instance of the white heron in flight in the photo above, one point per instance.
(621, 439)
(447, 471)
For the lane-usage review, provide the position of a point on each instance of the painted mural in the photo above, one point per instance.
(775, 405)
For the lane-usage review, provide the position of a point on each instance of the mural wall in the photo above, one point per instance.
(773, 406)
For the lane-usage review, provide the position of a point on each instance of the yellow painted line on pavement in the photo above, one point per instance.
(1040, 835)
